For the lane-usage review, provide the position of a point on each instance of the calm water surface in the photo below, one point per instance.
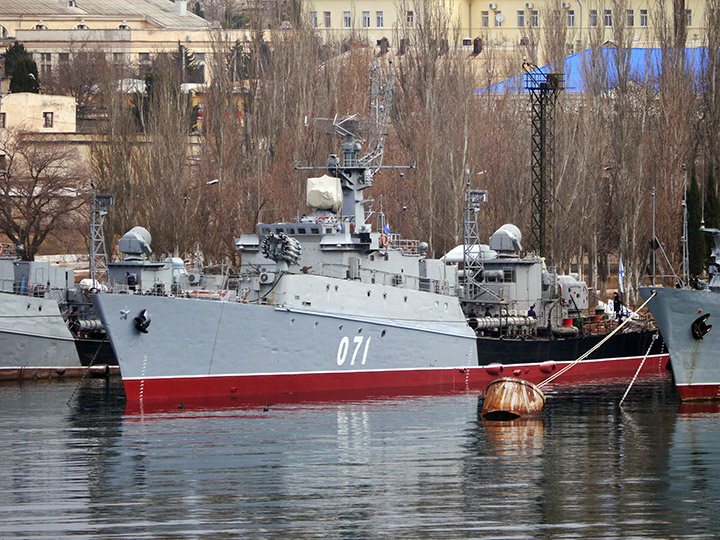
(74, 465)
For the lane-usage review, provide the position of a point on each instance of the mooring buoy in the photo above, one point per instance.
(509, 397)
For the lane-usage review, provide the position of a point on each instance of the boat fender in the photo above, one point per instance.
(384, 240)
(547, 367)
(142, 321)
(494, 368)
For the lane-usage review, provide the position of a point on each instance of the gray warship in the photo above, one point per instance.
(685, 320)
(34, 337)
(327, 304)
(324, 304)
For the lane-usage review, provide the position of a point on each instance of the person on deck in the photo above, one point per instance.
(531, 312)
(617, 306)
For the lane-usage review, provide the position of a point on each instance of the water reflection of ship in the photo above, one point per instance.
(586, 465)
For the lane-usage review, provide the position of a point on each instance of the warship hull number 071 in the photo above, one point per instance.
(325, 304)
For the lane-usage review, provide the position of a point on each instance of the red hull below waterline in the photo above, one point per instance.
(699, 392)
(235, 389)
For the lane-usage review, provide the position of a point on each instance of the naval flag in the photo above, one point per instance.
(386, 229)
(621, 275)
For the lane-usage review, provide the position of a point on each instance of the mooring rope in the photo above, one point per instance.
(584, 356)
(652, 341)
(87, 370)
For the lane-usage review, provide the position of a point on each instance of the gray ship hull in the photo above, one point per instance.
(695, 358)
(204, 348)
(34, 336)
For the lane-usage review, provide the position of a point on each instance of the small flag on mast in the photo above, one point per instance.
(621, 276)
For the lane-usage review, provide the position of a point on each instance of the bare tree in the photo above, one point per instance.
(42, 188)
(79, 73)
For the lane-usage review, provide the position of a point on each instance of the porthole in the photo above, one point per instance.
(405, 298)
(382, 334)
(368, 293)
(292, 321)
(340, 328)
(315, 324)
(359, 330)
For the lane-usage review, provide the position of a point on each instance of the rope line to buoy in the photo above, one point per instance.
(652, 341)
(584, 356)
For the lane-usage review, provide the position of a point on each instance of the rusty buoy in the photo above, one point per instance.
(509, 397)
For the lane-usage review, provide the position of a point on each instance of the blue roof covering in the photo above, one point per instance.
(644, 64)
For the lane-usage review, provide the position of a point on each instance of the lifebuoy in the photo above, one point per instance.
(1, 249)
(384, 240)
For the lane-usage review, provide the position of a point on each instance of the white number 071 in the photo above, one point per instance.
(345, 346)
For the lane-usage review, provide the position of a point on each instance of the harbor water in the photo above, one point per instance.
(75, 464)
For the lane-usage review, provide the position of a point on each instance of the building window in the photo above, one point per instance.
(484, 19)
(2, 121)
(118, 58)
(410, 18)
(608, 18)
(123, 27)
(64, 58)
(4, 34)
(40, 27)
(534, 18)
(82, 26)
(45, 63)
(521, 18)
(366, 19)
(313, 19)
(144, 57)
(47, 119)
(379, 17)
(592, 18)
(630, 17)
(498, 19)
(688, 17)
(328, 20)
(643, 18)
(346, 19)
(571, 18)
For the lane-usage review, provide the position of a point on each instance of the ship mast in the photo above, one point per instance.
(356, 172)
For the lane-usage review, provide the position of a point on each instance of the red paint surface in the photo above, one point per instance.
(689, 392)
(353, 384)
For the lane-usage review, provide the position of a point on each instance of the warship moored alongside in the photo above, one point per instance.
(685, 318)
(327, 304)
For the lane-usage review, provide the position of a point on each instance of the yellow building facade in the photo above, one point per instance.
(507, 24)
(38, 113)
(130, 32)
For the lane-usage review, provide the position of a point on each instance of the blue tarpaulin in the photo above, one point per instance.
(644, 65)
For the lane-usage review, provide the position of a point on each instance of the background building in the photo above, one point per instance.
(510, 24)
